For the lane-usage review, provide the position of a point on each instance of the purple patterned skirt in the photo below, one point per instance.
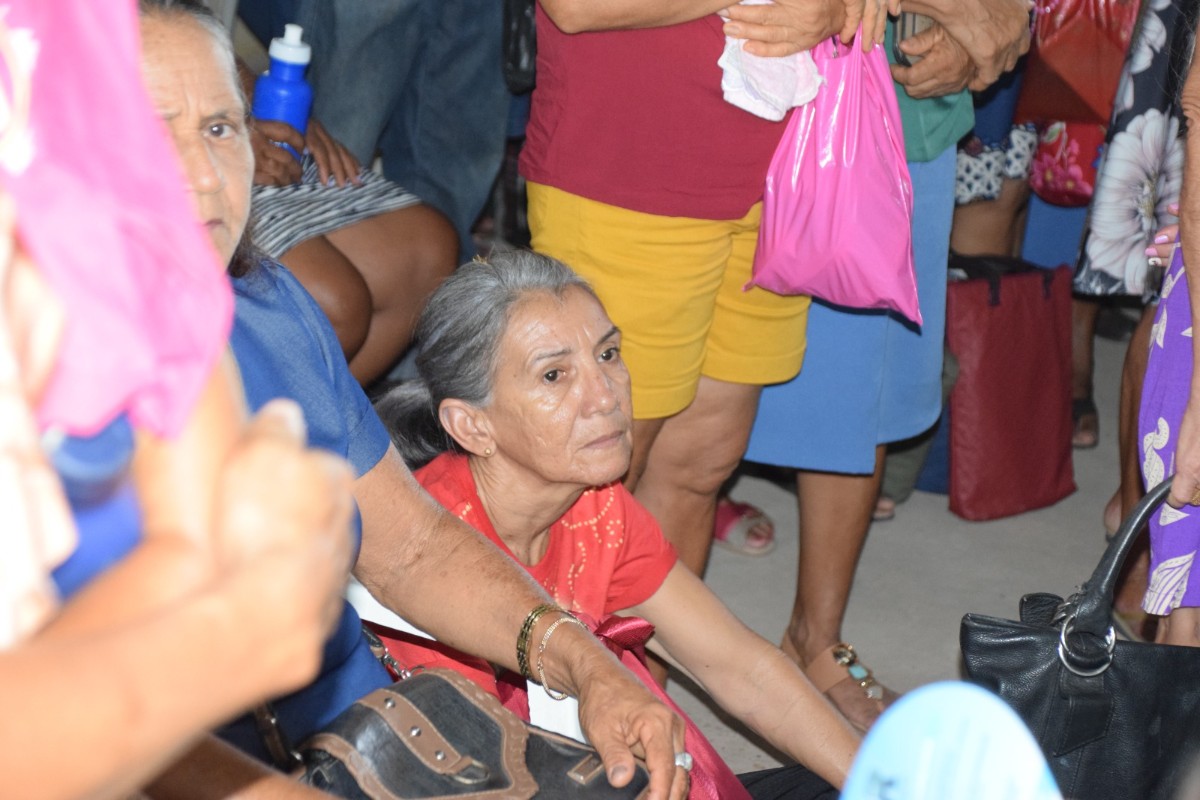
(1174, 533)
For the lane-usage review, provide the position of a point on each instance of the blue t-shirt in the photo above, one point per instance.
(285, 347)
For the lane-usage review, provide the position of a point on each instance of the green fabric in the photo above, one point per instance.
(933, 124)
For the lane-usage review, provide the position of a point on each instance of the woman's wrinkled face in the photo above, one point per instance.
(192, 85)
(560, 404)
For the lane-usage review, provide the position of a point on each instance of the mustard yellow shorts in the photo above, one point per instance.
(674, 287)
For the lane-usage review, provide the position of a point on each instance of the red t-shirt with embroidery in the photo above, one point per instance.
(606, 554)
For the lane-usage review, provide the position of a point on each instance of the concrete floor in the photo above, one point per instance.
(920, 572)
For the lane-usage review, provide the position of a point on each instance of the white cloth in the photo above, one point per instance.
(558, 716)
(766, 87)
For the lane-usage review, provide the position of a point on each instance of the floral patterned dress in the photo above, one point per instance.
(1174, 533)
(1141, 170)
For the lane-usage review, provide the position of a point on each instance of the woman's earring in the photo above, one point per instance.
(487, 453)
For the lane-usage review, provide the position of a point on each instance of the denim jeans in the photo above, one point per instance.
(419, 81)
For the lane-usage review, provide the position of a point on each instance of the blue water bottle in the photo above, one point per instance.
(281, 93)
(95, 475)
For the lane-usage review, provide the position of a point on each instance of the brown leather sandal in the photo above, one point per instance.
(840, 663)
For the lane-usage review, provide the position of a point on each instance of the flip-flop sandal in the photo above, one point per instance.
(950, 740)
(882, 512)
(732, 526)
(840, 663)
(1084, 409)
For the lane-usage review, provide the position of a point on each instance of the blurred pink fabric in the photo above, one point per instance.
(102, 209)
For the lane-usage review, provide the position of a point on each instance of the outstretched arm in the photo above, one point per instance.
(748, 676)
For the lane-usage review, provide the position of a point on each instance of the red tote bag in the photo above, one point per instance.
(1009, 326)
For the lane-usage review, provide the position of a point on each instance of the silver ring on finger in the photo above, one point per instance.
(684, 759)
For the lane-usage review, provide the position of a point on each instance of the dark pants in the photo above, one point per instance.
(787, 783)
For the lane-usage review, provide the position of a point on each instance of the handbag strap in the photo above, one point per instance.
(1088, 620)
(279, 747)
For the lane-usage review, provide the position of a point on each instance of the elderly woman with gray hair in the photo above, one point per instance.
(521, 420)
(410, 551)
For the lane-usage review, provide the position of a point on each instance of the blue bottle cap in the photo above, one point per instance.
(91, 468)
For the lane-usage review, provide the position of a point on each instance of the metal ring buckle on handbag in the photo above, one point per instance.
(1064, 649)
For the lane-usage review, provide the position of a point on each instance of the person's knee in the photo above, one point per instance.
(349, 311)
(435, 247)
(344, 297)
(699, 448)
(700, 463)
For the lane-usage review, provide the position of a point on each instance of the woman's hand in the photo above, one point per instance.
(785, 27)
(283, 528)
(273, 165)
(995, 33)
(873, 16)
(621, 718)
(945, 66)
(1160, 251)
(332, 157)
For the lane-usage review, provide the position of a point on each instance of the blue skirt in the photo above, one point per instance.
(869, 377)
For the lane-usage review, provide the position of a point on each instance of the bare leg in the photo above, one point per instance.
(337, 287)
(645, 431)
(403, 256)
(1083, 334)
(1181, 627)
(694, 453)
(1131, 585)
(991, 227)
(835, 512)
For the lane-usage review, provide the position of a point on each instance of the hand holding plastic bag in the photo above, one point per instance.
(837, 207)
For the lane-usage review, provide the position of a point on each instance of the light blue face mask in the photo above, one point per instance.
(950, 741)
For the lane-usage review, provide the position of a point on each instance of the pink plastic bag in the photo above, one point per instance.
(102, 210)
(837, 208)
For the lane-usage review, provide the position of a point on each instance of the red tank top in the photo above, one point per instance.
(636, 119)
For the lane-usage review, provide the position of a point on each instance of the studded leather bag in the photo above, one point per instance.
(436, 734)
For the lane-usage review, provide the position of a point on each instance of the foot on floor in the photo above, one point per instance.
(850, 685)
(743, 528)
(885, 509)
(1086, 434)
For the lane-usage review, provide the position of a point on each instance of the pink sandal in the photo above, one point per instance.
(732, 526)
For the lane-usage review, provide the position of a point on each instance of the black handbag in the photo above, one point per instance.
(437, 734)
(520, 45)
(1117, 720)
